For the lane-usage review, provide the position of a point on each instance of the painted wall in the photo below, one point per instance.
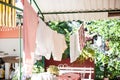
(10, 45)
(10, 41)
(7, 32)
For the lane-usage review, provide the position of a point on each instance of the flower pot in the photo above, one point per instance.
(106, 78)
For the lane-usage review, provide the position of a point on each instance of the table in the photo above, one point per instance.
(43, 76)
(69, 76)
(9, 61)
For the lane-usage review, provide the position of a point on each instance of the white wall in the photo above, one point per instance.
(9, 44)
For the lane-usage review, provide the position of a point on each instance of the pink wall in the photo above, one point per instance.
(7, 32)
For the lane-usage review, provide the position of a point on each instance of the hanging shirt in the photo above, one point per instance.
(30, 24)
(59, 46)
(74, 46)
(44, 40)
(49, 42)
(77, 43)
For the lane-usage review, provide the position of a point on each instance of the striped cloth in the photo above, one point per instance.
(81, 37)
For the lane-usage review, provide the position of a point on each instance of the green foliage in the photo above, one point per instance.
(109, 30)
(87, 53)
(38, 67)
(15, 77)
(99, 67)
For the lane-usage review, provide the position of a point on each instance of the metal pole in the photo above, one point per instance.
(20, 42)
(110, 11)
(40, 12)
(30, 2)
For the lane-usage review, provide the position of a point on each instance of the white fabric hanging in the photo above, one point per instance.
(44, 42)
(49, 41)
(77, 43)
(59, 46)
(74, 46)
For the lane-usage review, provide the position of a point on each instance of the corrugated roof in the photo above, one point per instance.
(77, 5)
(77, 9)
